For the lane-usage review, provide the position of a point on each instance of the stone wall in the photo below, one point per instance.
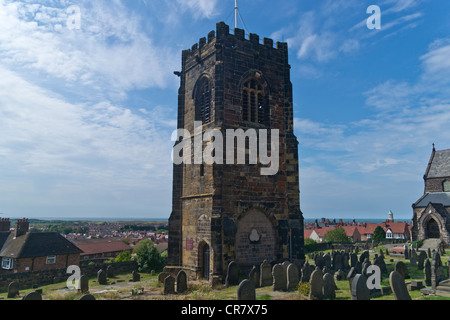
(39, 278)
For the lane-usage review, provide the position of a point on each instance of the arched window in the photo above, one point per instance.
(202, 98)
(254, 103)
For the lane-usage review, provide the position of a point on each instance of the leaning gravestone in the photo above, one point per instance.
(292, 277)
(398, 286)
(316, 284)
(181, 282)
(246, 290)
(32, 296)
(279, 278)
(266, 274)
(101, 277)
(84, 284)
(13, 290)
(162, 276)
(87, 297)
(232, 278)
(329, 287)
(359, 288)
(169, 285)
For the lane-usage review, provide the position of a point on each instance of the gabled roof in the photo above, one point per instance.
(39, 244)
(434, 197)
(95, 247)
(439, 164)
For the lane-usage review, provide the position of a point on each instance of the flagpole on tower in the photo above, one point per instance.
(236, 13)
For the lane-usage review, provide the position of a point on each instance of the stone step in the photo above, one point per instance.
(442, 293)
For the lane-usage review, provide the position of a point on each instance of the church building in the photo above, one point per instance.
(232, 212)
(431, 218)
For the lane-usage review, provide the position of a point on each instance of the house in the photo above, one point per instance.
(318, 234)
(394, 230)
(24, 251)
(101, 249)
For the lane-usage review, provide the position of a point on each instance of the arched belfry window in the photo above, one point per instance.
(202, 98)
(254, 103)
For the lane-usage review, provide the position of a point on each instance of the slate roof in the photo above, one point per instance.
(439, 165)
(434, 197)
(37, 244)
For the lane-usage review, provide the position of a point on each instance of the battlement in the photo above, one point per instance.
(222, 32)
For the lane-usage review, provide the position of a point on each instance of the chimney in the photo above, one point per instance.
(4, 224)
(22, 226)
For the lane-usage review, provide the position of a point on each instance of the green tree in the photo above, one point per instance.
(123, 256)
(336, 235)
(147, 257)
(379, 234)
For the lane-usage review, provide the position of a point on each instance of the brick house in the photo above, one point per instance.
(318, 234)
(101, 249)
(23, 251)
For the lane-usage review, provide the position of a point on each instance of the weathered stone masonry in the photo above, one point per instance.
(232, 212)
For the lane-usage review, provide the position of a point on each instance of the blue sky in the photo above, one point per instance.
(86, 115)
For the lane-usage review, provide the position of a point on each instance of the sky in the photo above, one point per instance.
(88, 101)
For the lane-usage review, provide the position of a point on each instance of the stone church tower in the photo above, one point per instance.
(231, 212)
(431, 213)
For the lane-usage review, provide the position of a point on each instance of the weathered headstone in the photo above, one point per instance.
(427, 272)
(84, 284)
(306, 272)
(266, 274)
(13, 289)
(413, 258)
(292, 277)
(32, 296)
(359, 289)
(246, 290)
(87, 297)
(169, 285)
(401, 268)
(421, 260)
(338, 262)
(339, 275)
(365, 255)
(353, 260)
(326, 260)
(181, 282)
(255, 276)
(136, 277)
(162, 276)
(329, 287)
(279, 278)
(232, 278)
(101, 277)
(398, 286)
(316, 284)
(109, 271)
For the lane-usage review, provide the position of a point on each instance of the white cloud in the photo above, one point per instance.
(200, 8)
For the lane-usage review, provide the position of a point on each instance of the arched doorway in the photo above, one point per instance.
(205, 258)
(432, 229)
(255, 239)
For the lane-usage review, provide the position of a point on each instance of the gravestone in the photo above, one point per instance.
(339, 275)
(326, 260)
(306, 272)
(353, 260)
(266, 274)
(359, 288)
(136, 277)
(279, 278)
(232, 278)
(429, 253)
(351, 275)
(101, 277)
(87, 297)
(413, 258)
(109, 271)
(406, 252)
(345, 258)
(292, 277)
(84, 284)
(421, 260)
(427, 272)
(169, 285)
(329, 287)
(365, 255)
(181, 282)
(13, 289)
(32, 296)
(379, 261)
(246, 290)
(316, 284)
(398, 286)
(338, 262)
(401, 268)
(255, 276)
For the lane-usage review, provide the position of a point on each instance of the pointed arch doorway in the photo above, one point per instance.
(432, 229)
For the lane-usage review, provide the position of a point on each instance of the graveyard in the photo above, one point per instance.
(326, 275)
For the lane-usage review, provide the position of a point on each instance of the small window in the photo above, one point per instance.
(202, 99)
(51, 260)
(446, 186)
(7, 263)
